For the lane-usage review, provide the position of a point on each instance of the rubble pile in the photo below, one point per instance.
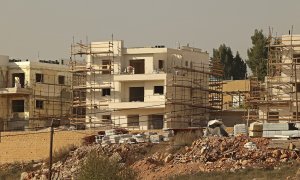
(123, 153)
(230, 154)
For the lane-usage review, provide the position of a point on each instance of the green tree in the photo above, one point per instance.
(239, 69)
(258, 54)
(234, 67)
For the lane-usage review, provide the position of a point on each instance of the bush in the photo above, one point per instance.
(186, 138)
(98, 167)
(61, 154)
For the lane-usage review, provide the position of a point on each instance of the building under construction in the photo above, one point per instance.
(276, 99)
(144, 87)
(33, 92)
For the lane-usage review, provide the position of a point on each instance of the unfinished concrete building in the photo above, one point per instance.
(141, 88)
(33, 92)
(276, 99)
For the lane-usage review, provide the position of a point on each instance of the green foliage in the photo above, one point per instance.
(257, 55)
(234, 67)
(98, 167)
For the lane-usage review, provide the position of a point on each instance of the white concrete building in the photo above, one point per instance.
(133, 91)
(33, 92)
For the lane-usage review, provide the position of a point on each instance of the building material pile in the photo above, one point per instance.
(240, 129)
(281, 130)
(256, 129)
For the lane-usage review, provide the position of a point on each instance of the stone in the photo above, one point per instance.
(283, 156)
(168, 158)
(276, 153)
(24, 176)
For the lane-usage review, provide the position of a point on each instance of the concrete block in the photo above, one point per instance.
(275, 126)
(255, 133)
(256, 126)
(239, 129)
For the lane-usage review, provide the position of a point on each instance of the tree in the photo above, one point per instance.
(239, 69)
(258, 55)
(234, 67)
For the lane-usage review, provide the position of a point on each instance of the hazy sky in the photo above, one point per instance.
(47, 26)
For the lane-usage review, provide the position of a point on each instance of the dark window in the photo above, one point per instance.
(39, 77)
(159, 90)
(17, 105)
(136, 94)
(273, 116)
(106, 67)
(106, 118)
(21, 77)
(294, 115)
(138, 65)
(186, 63)
(298, 87)
(61, 79)
(160, 64)
(156, 121)
(39, 104)
(106, 92)
(133, 120)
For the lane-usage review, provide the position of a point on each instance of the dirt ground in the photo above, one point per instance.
(31, 145)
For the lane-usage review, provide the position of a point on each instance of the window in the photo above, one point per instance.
(133, 120)
(106, 118)
(61, 79)
(294, 115)
(39, 104)
(159, 90)
(106, 66)
(298, 87)
(39, 77)
(136, 94)
(106, 92)
(17, 105)
(186, 63)
(273, 116)
(156, 121)
(18, 79)
(160, 64)
(138, 66)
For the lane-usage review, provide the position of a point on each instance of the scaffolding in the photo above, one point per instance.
(92, 67)
(277, 99)
(192, 93)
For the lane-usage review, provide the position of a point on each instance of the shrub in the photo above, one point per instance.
(98, 166)
(185, 138)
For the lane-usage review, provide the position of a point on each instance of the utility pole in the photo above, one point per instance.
(51, 149)
(54, 123)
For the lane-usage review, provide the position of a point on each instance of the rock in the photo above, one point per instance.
(276, 153)
(244, 162)
(43, 177)
(283, 156)
(24, 176)
(168, 158)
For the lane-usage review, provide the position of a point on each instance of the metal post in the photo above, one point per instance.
(51, 150)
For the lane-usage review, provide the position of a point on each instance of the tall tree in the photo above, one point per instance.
(258, 54)
(239, 69)
(234, 67)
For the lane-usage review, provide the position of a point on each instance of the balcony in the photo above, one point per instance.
(15, 91)
(140, 77)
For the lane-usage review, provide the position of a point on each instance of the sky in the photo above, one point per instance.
(29, 28)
